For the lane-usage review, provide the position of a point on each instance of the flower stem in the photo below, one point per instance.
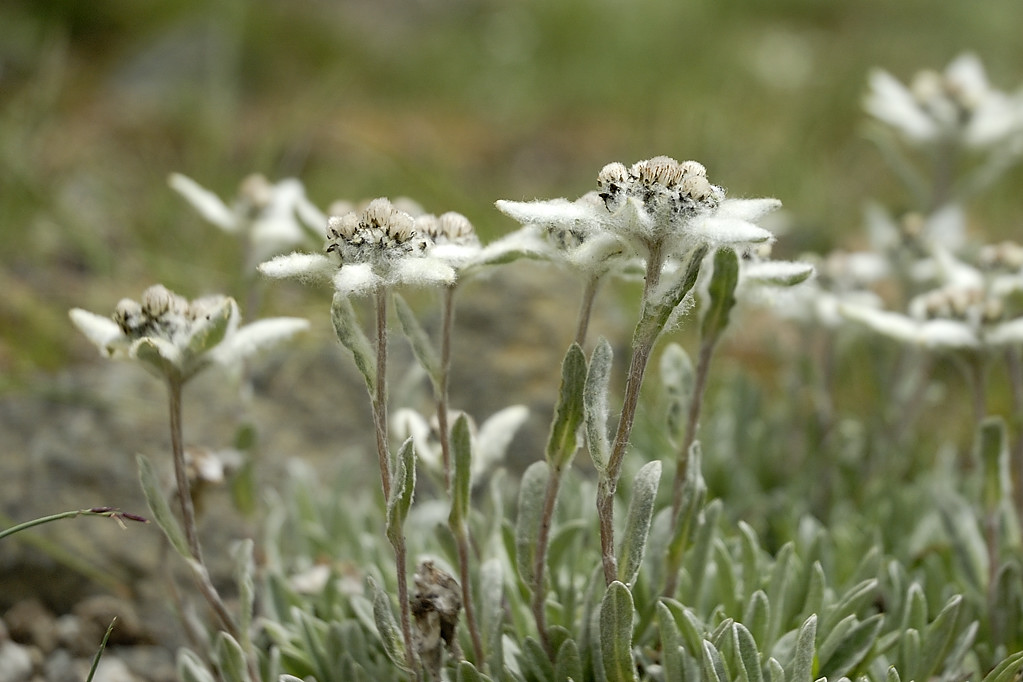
(201, 576)
(109, 513)
(459, 530)
(540, 566)
(379, 400)
(642, 346)
(586, 309)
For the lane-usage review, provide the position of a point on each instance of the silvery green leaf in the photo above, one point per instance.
(637, 522)
(724, 572)
(491, 611)
(161, 356)
(208, 204)
(694, 492)
(616, 614)
(595, 403)
(532, 492)
(689, 626)
(159, 508)
(568, 664)
(757, 616)
(721, 294)
(775, 671)
(815, 590)
(892, 675)
(848, 644)
(467, 672)
(461, 449)
(662, 303)
(671, 644)
(915, 615)
(351, 336)
(909, 653)
(191, 669)
(1007, 670)
(568, 416)
(403, 486)
(779, 588)
(245, 571)
(802, 668)
(231, 659)
(749, 655)
(711, 663)
(387, 628)
(677, 377)
(698, 557)
(938, 638)
(852, 601)
(536, 660)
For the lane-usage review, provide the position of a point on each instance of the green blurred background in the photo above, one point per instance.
(455, 103)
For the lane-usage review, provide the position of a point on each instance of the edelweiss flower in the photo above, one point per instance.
(957, 105)
(175, 337)
(377, 247)
(273, 217)
(657, 204)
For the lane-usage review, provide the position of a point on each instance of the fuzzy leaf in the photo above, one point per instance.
(749, 655)
(536, 660)
(231, 659)
(677, 377)
(1007, 670)
(467, 672)
(757, 616)
(616, 613)
(419, 340)
(568, 416)
(993, 453)
(840, 654)
(712, 664)
(568, 665)
(532, 492)
(775, 671)
(403, 487)
(671, 644)
(351, 336)
(802, 666)
(852, 601)
(491, 612)
(938, 637)
(637, 523)
(595, 403)
(461, 449)
(159, 508)
(245, 571)
(657, 312)
(387, 628)
(191, 669)
(722, 294)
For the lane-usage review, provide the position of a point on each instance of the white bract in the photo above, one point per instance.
(273, 217)
(377, 247)
(175, 337)
(489, 443)
(957, 105)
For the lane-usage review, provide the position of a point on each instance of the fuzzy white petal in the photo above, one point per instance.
(1006, 334)
(777, 272)
(747, 209)
(457, 255)
(357, 279)
(254, 337)
(496, 435)
(302, 266)
(208, 204)
(729, 231)
(101, 331)
(890, 102)
(929, 334)
(409, 423)
(550, 212)
(422, 272)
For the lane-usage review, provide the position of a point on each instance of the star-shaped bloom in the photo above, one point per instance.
(175, 337)
(958, 104)
(656, 204)
(274, 217)
(379, 246)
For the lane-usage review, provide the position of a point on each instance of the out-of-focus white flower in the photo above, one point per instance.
(364, 251)
(273, 217)
(489, 443)
(957, 105)
(175, 337)
(657, 204)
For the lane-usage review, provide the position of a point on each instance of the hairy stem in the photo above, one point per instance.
(586, 310)
(379, 400)
(642, 346)
(458, 529)
(202, 579)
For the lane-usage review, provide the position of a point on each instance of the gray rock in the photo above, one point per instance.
(16, 663)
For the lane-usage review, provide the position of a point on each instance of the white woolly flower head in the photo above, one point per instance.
(957, 104)
(175, 337)
(365, 250)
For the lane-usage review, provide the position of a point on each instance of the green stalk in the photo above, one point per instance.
(95, 511)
